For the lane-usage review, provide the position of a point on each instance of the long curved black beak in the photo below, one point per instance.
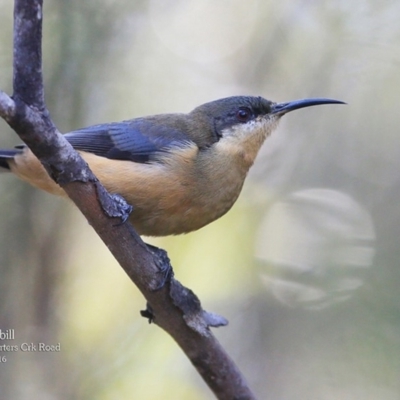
(283, 108)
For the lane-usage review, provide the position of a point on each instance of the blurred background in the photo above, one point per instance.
(306, 266)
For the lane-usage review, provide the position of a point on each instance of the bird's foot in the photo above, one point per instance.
(114, 205)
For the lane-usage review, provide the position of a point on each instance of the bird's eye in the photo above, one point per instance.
(244, 114)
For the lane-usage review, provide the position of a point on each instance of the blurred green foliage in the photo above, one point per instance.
(305, 266)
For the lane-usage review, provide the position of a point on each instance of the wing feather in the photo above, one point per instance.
(139, 140)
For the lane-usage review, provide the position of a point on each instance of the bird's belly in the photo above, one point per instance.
(168, 199)
(176, 218)
(175, 208)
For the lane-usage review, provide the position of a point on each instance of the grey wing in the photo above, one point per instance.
(137, 140)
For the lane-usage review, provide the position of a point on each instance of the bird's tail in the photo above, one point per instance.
(5, 156)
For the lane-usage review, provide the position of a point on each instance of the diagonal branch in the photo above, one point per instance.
(173, 307)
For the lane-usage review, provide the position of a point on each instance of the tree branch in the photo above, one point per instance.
(173, 307)
(28, 79)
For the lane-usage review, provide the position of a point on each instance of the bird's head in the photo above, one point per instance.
(240, 124)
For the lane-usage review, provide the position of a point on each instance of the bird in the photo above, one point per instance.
(180, 171)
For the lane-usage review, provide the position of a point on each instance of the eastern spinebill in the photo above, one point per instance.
(179, 171)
